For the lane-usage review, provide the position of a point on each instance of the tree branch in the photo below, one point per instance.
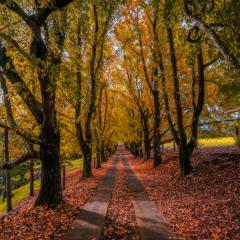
(9, 70)
(19, 132)
(41, 16)
(22, 159)
(1, 29)
(10, 116)
(16, 45)
(219, 44)
(210, 63)
(13, 6)
(189, 35)
(50, 8)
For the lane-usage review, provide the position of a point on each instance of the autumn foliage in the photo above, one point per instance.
(79, 77)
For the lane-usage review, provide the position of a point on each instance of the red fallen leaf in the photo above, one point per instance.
(120, 221)
(203, 205)
(38, 223)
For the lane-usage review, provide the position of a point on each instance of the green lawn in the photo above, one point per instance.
(73, 164)
(216, 142)
(20, 194)
(23, 192)
(210, 142)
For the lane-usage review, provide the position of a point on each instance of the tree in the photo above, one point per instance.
(153, 83)
(185, 146)
(141, 43)
(91, 57)
(46, 59)
(139, 98)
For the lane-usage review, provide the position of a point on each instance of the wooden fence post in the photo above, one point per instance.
(63, 177)
(8, 171)
(31, 165)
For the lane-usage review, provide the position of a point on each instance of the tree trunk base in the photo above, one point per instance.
(87, 163)
(51, 191)
(157, 158)
(185, 162)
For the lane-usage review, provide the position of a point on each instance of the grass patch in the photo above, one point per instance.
(73, 164)
(216, 142)
(210, 142)
(19, 194)
(23, 191)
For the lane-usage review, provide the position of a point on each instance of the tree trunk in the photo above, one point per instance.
(136, 153)
(147, 148)
(45, 114)
(102, 152)
(8, 172)
(132, 147)
(63, 177)
(106, 154)
(87, 146)
(185, 160)
(51, 192)
(87, 159)
(157, 158)
(31, 166)
(98, 158)
(146, 138)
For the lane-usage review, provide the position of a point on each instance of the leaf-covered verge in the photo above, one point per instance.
(35, 223)
(203, 205)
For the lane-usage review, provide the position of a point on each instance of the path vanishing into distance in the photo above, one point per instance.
(95, 217)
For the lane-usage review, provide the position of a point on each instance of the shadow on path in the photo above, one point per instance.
(151, 223)
(88, 225)
(91, 219)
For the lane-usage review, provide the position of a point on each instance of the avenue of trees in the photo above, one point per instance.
(77, 77)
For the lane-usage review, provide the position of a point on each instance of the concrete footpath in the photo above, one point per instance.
(89, 223)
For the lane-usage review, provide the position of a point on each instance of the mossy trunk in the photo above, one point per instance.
(8, 190)
(31, 166)
(102, 152)
(185, 160)
(8, 171)
(87, 160)
(98, 158)
(51, 191)
(146, 137)
(157, 157)
(147, 150)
